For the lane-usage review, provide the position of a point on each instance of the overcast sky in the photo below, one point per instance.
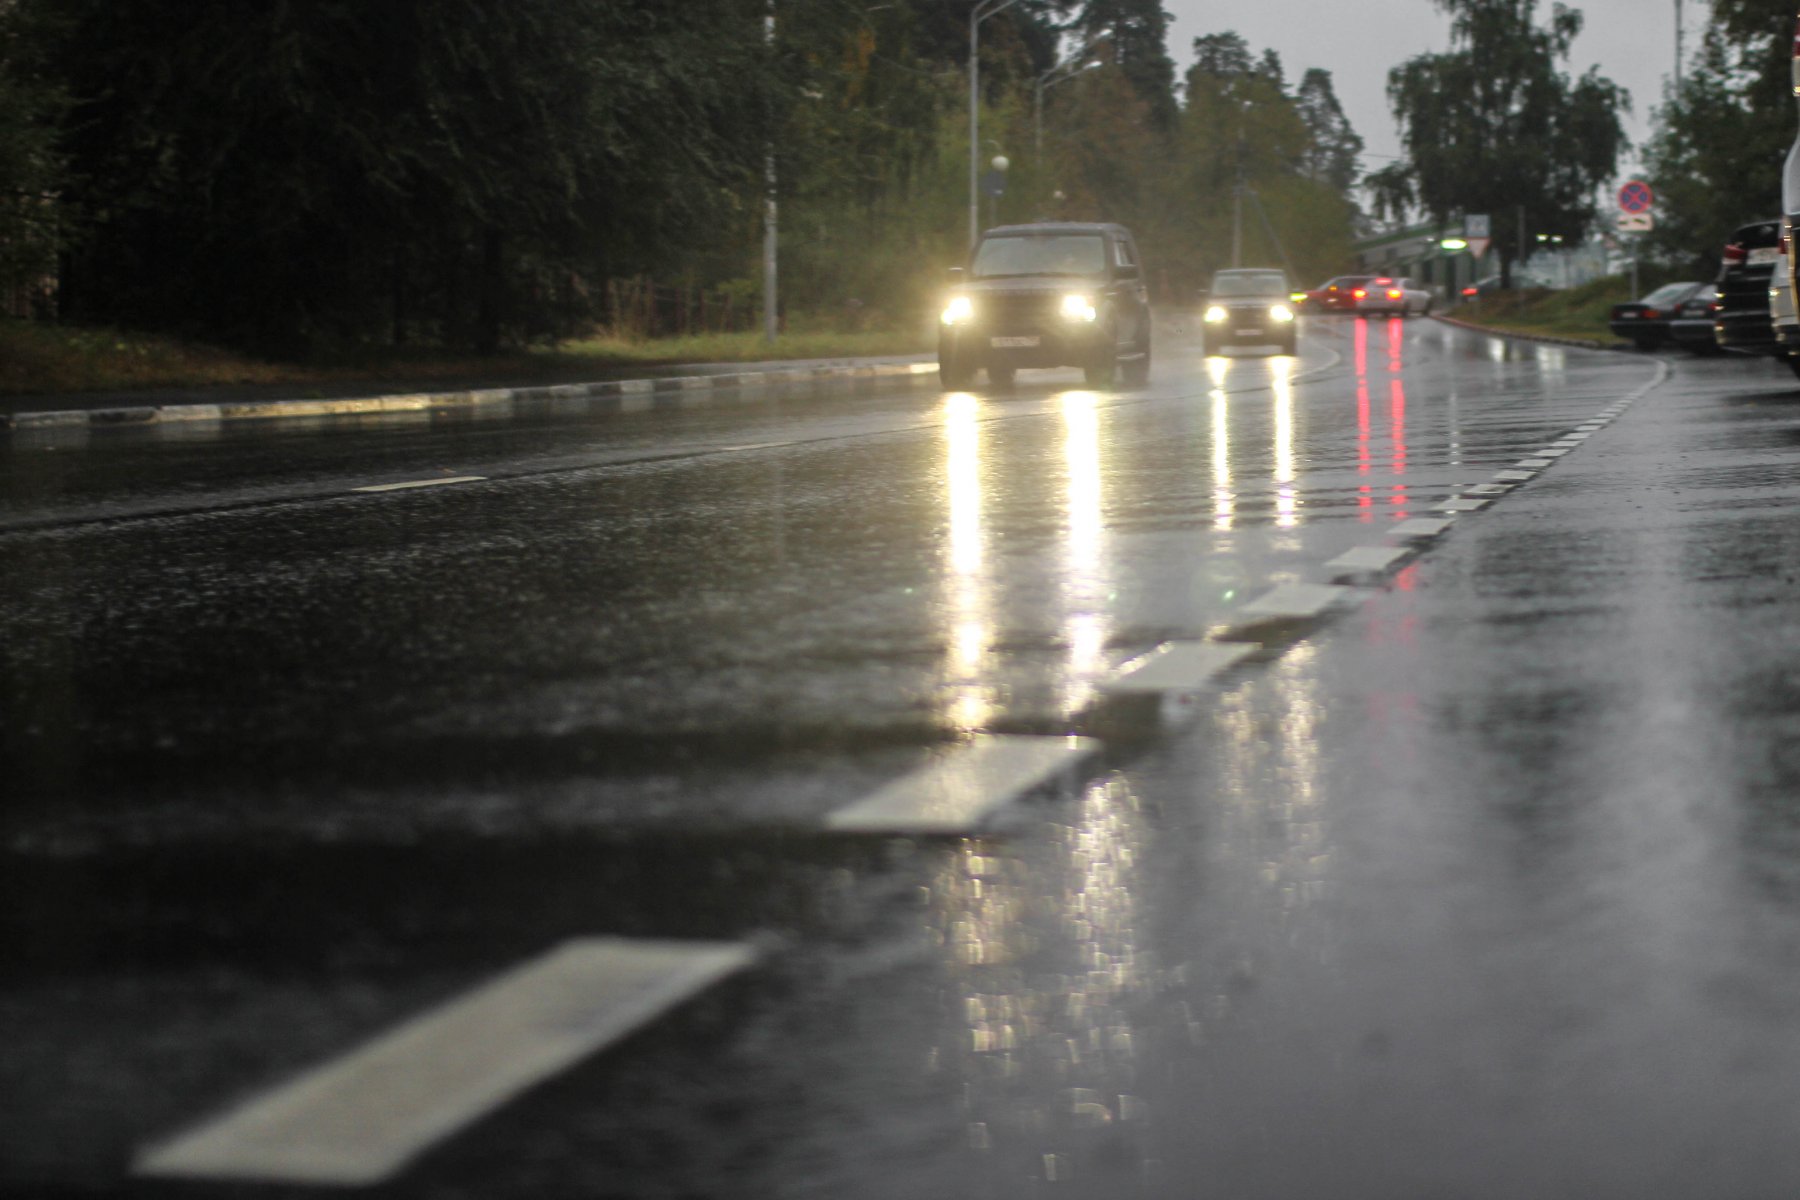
(1631, 41)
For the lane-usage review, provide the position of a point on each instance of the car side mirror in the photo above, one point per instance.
(955, 274)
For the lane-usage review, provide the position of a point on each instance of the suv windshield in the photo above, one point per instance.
(1250, 283)
(1041, 254)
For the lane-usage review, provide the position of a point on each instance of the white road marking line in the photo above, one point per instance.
(1461, 504)
(1552, 452)
(420, 483)
(953, 794)
(1176, 667)
(357, 1120)
(1421, 528)
(1533, 464)
(1296, 600)
(1514, 476)
(1488, 489)
(1366, 560)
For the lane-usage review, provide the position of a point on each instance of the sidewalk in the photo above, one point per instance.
(402, 395)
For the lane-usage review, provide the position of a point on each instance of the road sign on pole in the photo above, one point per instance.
(1477, 226)
(1636, 197)
(1478, 246)
(1635, 222)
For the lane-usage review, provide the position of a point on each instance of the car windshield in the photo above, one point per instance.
(1250, 283)
(1041, 254)
(1668, 293)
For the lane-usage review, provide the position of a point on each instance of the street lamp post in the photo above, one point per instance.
(1062, 72)
(981, 12)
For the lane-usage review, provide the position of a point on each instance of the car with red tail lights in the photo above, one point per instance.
(1742, 322)
(1392, 295)
(1647, 322)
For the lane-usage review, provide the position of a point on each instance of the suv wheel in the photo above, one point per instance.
(954, 371)
(1137, 371)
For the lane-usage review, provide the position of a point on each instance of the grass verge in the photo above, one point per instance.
(1577, 312)
(46, 358)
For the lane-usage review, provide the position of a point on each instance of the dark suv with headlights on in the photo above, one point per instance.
(1062, 295)
(1248, 307)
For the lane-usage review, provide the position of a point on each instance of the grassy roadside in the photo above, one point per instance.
(1578, 312)
(46, 358)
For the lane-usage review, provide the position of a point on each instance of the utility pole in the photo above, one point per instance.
(981, 12)
(771, 225)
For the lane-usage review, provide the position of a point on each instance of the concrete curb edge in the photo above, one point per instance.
(449, 400)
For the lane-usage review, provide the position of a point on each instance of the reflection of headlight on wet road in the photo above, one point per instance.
(1077, 307)
(959, 310)
(1216, 313)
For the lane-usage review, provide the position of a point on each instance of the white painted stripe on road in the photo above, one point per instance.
(420, 483)
(1177, 667)
(954, 793)
(1421, 528)
(359, 1119)
(1552, 452)
(1366, 560)
(1461, 504)
(1533, 464)
(1514, 476)
(1488, 489)
(1295, 600)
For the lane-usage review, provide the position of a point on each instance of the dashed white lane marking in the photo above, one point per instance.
(1552, 452)
(1488, 489)
(420, 483)
(1299, 601)
(1460, 504)
(1366, 560)
(954, 793)
(1421, 528)
(1533, 464)
(359, 1119)
(1514, 476)
(1177, 667)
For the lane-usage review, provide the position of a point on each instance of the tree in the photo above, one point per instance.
(1493, 126)
(1333, 156)
(31, 167)
(1715, 155)
(1135, 34)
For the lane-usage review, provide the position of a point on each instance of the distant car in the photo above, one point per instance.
(1051, 295)
(1746, 266)
(1339, 294)
(1392, 295)
(1691, 326)
(1645, 322)
(1249, 307)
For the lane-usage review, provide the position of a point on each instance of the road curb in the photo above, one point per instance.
(612, 389)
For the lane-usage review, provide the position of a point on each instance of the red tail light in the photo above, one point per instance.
(1383, 282)
(1735, 253)
(1392, 294)
(1359, 293)
(1652, 313)
(1471, 291)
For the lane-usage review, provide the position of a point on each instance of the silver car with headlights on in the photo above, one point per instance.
(1052, 295)
(1249, 307)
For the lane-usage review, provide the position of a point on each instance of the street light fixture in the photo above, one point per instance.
(981, 12)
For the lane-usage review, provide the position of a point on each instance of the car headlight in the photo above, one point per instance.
(1216, 313)
(1077, 307)
(1280, 312)
(959, 311)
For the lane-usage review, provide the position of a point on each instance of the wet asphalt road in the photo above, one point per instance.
(1485, 888)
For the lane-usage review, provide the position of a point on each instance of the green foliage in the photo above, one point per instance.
(1715, 157)
(1493, 126)
(31, 167)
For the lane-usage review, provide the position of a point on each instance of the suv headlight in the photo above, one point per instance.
(960, 311)
(1079, 307)
(1280, 312)
(1216, 313)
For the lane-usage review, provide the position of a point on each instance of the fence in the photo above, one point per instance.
(644, 308)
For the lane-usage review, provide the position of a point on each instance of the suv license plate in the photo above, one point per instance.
(1764, 254)
(1012, 343)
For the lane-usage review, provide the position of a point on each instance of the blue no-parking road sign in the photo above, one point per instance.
(1636, 197)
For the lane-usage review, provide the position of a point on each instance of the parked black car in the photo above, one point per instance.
(1052, 295)
(1691, 327)
(1742, 320)
(1646, 322)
